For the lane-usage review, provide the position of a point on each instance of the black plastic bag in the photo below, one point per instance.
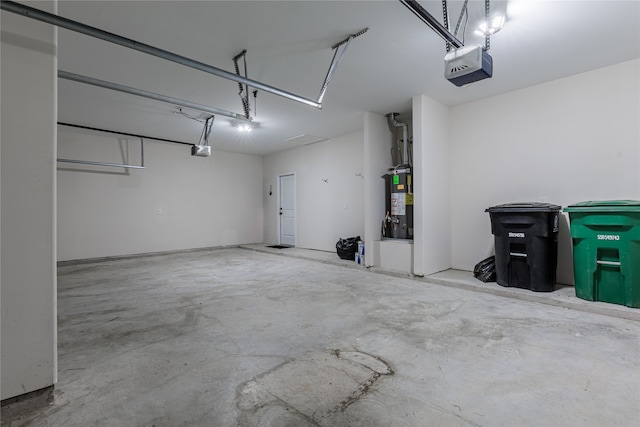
(485, 270)
(347, 248)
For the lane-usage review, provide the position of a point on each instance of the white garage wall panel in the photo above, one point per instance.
(29, 109)
(177, 202)
(563, 142)
(325, 211)
(377, 161)
(432, 202)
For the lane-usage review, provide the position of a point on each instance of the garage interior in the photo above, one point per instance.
(138, 285)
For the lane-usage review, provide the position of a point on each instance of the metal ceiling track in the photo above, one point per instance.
(243, 91)
(151, 95)
(78, 27)
(110, 165)
(116, 165)
(115, 132)
(432, 22)
(340, 49)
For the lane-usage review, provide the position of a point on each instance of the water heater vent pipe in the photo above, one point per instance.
(393, 124)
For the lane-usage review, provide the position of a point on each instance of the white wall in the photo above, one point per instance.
(177, 202)
(28, 281)
(377, 161)
(563, 142)
(432, 202)
(325, 211)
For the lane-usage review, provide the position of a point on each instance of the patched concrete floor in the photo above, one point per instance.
(239, 337)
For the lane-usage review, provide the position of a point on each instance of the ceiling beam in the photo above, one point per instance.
(78, 27)
(145, 94)
(432, 22)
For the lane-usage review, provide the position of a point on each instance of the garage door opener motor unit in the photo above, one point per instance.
(203, 149)
(467, 64)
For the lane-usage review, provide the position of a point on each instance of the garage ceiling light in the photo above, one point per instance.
(490, 27)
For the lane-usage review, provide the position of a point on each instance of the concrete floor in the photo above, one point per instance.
(244, 337)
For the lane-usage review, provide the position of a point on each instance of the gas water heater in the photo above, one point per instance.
(398, 220)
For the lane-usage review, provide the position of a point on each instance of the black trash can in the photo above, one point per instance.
(526, 240)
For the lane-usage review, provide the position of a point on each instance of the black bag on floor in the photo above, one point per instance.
(485, 270)
(347, 248)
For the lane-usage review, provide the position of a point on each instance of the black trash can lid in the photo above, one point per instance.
(605, 206)
(524, 207)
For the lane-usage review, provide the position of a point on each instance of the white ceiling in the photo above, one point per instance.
(289, 47)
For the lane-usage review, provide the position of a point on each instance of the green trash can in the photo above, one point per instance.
(606, 251)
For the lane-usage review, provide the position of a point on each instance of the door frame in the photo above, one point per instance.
(279, 195)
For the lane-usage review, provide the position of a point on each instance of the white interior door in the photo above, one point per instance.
(287, 210)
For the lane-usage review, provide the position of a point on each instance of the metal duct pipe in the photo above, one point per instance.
(151, 95)
(78, 27)
(393, 124)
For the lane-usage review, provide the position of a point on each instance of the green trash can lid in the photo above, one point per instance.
(524, 207)
(605, 206)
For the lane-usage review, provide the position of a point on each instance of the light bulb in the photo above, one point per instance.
(497, 23)
(488, 28)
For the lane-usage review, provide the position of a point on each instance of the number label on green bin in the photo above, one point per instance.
(608, 237)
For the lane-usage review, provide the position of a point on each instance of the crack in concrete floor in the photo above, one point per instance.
(312, 388)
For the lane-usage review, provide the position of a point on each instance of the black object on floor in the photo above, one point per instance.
(278, 246)
(347, 248)
(485, 270)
